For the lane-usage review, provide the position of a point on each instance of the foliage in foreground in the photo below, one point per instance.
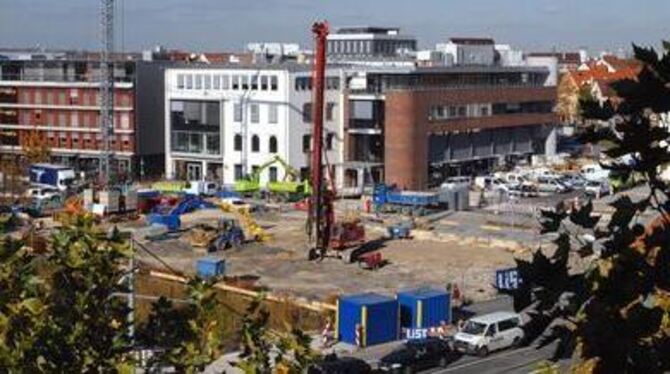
(605, 289)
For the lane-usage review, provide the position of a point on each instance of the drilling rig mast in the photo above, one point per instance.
(106, 87)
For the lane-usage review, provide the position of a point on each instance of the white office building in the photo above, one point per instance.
(224, 122)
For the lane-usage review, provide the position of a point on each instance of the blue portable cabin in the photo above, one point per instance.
(424, 307)
(208, 267)
(376, 314)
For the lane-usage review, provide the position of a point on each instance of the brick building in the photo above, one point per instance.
(416, 127)
(58, 95)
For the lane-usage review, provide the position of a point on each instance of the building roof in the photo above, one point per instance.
(472, 41)
(366, 298)
(423, 292)
(367, 30)
(563, 57)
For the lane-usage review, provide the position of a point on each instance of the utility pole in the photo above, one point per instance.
(106, 86)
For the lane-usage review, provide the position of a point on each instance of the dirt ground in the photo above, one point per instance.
(282, 266)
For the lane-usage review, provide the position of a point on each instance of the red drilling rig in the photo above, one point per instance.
(331, 238)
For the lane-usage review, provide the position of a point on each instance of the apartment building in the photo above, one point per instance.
(58, 96)
(223, 122)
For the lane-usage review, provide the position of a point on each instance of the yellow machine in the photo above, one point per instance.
(251, 228)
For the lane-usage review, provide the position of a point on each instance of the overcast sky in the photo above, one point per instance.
(209, 25)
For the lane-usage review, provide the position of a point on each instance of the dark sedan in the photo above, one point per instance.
(416, 355)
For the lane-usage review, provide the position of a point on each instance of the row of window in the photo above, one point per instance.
(272, 114)
(255, 143)
(69, 119)
(272, 172)
(305, 83)
(307, 112)
(442, 112)
(70, 96)
(235, 82)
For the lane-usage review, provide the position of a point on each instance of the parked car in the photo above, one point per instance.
(42, 192)
(597, 188)
(416, 355)
(453, 182)
(551, 185)
(491, 332)
(331, 364)
(574, 181)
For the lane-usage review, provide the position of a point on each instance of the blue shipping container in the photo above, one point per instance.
(211, 267)
(376, 314)
(424, 307)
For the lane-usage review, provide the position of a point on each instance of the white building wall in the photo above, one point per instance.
(288, 130)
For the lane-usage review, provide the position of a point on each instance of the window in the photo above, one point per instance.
(237, 112)
(245, 82)
(462, 111)
(125, 121)
(272, 146)
(330, 108)
(212, 144)
(237, 142)
(216, 82)
(61, 98)
(238, 172)
(306, 143)
(484, 110)
(307, 112)
(236, 82)
(198, 82)
(254, 82)
(329, 141)
(273, 115)
(272, 173)
(180, 81)
(274, 83)
(255, 113)
(225, 82)
(208, 82)
(74, 119)
(264, 82)
(61, 119)
(189, 82)
(255, 144)
(508, 324)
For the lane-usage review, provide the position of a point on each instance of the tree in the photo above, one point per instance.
(604, 288)
(36, 148)
(60, 313)
(264, 349)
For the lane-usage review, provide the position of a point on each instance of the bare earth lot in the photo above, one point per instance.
(282, 264)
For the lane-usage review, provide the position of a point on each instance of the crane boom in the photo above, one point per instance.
(318, 225)
(106, 86)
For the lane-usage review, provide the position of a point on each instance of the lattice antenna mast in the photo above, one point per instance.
(106, 86)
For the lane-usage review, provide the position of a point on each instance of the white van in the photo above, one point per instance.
(201, 188)
(491, 332)
(594, 172)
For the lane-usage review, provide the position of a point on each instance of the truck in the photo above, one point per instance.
(388, 199)
(58, 176)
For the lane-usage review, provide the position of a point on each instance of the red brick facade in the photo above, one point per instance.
(407, 124)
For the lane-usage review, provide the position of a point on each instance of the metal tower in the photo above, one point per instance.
(106, 86)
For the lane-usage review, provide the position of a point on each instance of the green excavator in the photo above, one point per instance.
(290, 186)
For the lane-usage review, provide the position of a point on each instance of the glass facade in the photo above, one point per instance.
(195, 127)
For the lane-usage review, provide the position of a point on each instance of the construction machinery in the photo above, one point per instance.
(227, 234)
(250, 227)
(290, 186)
(330, 238)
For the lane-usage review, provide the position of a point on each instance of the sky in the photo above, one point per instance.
(215, 25)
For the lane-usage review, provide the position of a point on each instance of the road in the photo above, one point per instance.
(522, 360)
